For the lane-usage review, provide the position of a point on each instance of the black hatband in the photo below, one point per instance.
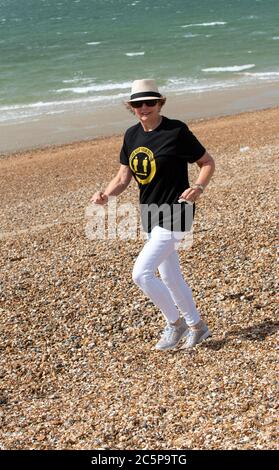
(145, 94)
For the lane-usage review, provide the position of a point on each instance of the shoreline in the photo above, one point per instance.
(85, 125)
(56, 147)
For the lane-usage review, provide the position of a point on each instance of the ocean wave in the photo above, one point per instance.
(275, 38)
(249, 17)
(94, 43)
(94, 87)
(78, 80)
(213, 23)
(258, 33)
(194, 85)
(232, 68)
(191, 35)
(45, 104)
(132, 54)
(262, 75)
(30, 111)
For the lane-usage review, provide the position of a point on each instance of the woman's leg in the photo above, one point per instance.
(159, 247)
(181, 293)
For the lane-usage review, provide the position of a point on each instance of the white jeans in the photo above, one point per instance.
(159, 252)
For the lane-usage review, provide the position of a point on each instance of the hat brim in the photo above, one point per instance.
(144, 98)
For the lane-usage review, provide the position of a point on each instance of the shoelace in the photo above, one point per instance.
(169, 329)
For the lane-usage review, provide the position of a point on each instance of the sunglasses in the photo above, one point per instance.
(139, 104)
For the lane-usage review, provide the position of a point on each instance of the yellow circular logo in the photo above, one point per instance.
(142, 164)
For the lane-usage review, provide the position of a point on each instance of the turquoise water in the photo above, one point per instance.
(59, 55)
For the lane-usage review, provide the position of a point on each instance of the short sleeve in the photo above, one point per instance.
(124, 157)
(189, 147)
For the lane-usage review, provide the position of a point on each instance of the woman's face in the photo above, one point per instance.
(146, 113)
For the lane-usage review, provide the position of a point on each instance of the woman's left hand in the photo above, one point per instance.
(191, 194)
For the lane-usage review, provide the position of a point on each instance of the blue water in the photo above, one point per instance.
(57, 55)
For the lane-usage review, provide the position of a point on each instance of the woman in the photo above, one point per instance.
(156, 152)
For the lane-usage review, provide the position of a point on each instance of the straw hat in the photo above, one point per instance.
(144, 90)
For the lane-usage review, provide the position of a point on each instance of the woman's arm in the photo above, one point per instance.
(115, 187)
(207, 168)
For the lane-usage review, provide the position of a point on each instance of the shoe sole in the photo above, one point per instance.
(167, 348)
(203, 337)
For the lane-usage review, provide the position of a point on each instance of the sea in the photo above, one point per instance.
(59, 56)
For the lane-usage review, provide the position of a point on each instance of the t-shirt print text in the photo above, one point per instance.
(142, 164)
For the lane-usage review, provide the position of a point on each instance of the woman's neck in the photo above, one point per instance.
(151, 125)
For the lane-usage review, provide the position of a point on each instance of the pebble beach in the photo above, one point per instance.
(78, 365)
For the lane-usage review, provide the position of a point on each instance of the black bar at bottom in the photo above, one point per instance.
(114, 459)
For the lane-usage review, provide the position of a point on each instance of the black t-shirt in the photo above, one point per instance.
(158, 160)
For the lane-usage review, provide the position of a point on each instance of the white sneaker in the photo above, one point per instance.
(196, 336)
(171, 335)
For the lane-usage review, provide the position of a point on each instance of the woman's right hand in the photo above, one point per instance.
(99, 198)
